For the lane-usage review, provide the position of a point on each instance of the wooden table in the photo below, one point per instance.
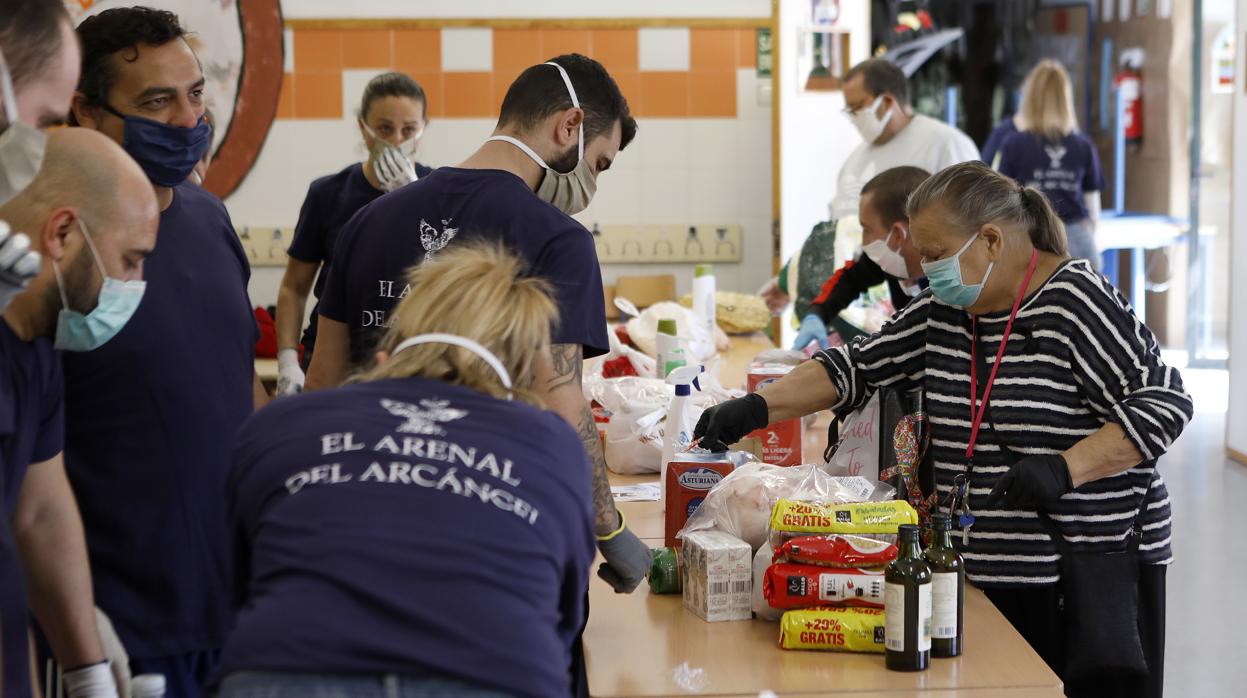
(635, 642)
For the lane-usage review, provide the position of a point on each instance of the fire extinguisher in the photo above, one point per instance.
(1129, 83)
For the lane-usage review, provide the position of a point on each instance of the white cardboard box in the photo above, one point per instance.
(718, 576)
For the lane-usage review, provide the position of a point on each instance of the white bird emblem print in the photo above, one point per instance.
(1056, 153)
(433, 240)
(426, 418)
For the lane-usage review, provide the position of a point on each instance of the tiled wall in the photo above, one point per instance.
(702, 153)
(665, 72)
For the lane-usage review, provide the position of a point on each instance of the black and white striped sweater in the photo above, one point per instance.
(1076, 359)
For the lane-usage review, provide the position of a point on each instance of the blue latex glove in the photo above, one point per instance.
(812, 330)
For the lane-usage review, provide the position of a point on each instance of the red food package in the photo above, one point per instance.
(783, 443)
(806, 586)
(837, 550)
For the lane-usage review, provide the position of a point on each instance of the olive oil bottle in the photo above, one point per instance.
(907, 606)
(948, 583)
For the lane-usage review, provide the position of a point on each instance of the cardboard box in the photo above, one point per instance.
(783, 443)
(718, 576)
(688, 483)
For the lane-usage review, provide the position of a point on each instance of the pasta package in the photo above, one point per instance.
(803, 586)
(790, 516)
(844, 629)
(836, 550)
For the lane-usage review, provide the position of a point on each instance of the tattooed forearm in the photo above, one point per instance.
(606, 517)
(568, 363)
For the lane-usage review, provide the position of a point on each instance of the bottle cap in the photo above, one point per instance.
(907, 531)
(667, 326)
(941, 521)
(703, 270)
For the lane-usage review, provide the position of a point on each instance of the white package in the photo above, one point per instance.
(718, 576)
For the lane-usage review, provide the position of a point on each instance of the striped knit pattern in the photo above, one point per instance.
(1076, 359)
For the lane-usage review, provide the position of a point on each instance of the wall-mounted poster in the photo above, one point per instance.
(239, 43)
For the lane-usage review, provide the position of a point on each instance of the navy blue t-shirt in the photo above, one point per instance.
(150, 419)
(1063, 171)
(398, 230)
(996, 138)
(330, 203)
(413, 527)
(32, 408)
(32, 430)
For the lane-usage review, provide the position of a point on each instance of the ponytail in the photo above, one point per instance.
(973, 195)
(1046, 230)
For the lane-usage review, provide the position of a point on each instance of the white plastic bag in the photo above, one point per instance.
(741, 503)
(761, 563)
(693, 338)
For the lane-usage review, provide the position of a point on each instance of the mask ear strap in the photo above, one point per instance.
(580, 139)
(95, 254)
(486, 355)
(9, 96)
(524, 147)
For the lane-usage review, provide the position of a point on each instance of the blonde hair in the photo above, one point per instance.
(1048, 102)
(477, 291)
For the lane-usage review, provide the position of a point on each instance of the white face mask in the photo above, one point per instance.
(393, 164)
(867, 123)
(21, 145)
(486, 355)
(570, 192)
(889, 260)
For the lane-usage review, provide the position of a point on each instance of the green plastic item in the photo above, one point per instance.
(664, 571)
(667, 326)
(703, 270)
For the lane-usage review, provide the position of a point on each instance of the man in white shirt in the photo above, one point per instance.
(876, 97)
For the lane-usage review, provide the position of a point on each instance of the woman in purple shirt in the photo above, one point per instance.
(426, 529)
(1049, 154)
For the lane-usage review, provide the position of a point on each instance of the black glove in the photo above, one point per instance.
(729, 422)
(1031, 483)
(627, 559)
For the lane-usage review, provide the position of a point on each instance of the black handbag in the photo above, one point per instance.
(1099, 595)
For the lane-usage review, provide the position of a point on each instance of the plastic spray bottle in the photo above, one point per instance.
(678, 433)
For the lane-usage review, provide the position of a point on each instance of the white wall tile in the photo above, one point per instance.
(713, 142)
(712, 197)
(287, 39)
(451, 141)
(663, 48)
(618, 200)
(469, 49)
(353, 84)
(664, 196)
(664, 143)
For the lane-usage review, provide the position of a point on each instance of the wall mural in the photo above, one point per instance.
(239, 43)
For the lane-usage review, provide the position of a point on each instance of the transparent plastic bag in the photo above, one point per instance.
(741, 504)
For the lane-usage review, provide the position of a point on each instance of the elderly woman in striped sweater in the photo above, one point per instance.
(1049, 405)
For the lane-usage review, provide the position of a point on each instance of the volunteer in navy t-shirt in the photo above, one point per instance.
(150, 418)
(330, 203)
(32, 431)
(404, 227)
(409, 526)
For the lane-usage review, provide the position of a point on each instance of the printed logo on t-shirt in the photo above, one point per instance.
(1056, 153)
(425, 418)
(434, 240)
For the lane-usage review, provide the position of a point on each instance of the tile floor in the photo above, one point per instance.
(1207, 611)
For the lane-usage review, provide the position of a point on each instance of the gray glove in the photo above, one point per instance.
(627, 559)
(18, 264)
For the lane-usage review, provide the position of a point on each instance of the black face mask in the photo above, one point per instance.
(166, 153)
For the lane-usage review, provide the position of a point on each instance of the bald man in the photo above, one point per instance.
(92, 215)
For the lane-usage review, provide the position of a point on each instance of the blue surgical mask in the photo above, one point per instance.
(166, 153)
(944, 275)
(116, 305)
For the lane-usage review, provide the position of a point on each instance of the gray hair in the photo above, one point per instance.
(975, 195)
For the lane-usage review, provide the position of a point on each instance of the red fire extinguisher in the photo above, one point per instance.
(1129, 82)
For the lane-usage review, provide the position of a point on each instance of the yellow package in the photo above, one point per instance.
(790, 516)
(836, 629)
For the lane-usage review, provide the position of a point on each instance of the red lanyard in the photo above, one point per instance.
(976, 417)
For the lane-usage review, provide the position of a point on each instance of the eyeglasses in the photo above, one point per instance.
(873, 104)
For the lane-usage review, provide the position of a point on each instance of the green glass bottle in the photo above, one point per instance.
(907, 606)
(948, 584)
